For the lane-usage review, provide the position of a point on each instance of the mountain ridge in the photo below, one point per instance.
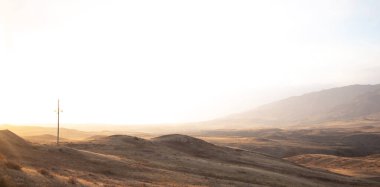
(340, 103)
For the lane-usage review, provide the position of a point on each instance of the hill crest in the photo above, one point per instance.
(12, 144)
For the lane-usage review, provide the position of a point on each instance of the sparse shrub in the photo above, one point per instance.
(73, 180)
(12, 165)
(45, 172)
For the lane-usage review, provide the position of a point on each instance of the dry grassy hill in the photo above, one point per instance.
(196, 162)
(173, 160)
(358, 138)
(365, 167)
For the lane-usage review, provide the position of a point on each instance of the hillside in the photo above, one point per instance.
(12, 145)
(343, 103)
(187, 160)
(354, 138)
(367, 167)
(171, 160)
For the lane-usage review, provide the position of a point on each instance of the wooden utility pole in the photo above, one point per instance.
(58, 111)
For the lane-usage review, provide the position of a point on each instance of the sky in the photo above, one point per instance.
(144, 62)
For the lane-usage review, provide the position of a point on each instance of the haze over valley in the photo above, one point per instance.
(195, 93)
(346, 145)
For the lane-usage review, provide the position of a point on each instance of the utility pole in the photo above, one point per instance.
(58, 111)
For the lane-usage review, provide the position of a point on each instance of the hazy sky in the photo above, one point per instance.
(119, 61)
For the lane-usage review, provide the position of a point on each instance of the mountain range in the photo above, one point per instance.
(336, 104)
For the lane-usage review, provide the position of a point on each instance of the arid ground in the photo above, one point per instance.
(170, 160)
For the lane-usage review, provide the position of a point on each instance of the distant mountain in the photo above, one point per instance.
(343, 103)
(32, 131)
(44, 138)
(48, 134)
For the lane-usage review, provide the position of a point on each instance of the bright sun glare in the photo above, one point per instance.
(143, 61)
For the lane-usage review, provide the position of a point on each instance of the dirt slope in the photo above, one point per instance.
(12, 145)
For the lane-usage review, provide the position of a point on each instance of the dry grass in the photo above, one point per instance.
(12, 165)
(343, 140)
(72, 180)
(45, 173)
(365, 167)
(175, 161)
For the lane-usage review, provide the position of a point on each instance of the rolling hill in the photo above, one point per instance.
(350, 140)
(171, 160)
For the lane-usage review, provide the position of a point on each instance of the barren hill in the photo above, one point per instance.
(343, 103)
(9, 138)
(188, 144)
(12, 145)
(215, 165)
(122, 160)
